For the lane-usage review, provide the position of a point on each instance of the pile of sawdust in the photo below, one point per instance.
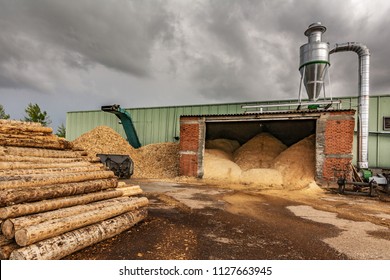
(226, 145)
(219, 153)
(264, 161)
(218, 166)
(103, 140)
(258, 152)
(151, 161)
(297, 163)
(262, 176)
(158, 161)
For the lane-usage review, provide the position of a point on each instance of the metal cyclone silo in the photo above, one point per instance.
(314, 60)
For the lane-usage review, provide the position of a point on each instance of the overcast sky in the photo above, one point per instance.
(81, 54)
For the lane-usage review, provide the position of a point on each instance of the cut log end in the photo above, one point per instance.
(6, 250)
(8, 229)
(22, 237)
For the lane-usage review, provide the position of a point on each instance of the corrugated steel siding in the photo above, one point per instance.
(153, 125)
(162, 124)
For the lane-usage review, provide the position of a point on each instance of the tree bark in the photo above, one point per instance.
(56, 179)
(48, 229)
(10, 226)
(57, 203)
(70, 242)
(6, 250)
(20, 195)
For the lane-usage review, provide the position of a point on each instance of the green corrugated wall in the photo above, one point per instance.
(161, 124)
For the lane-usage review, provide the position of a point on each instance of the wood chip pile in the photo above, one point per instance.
(150, 161)
(258, 152)
(158, 161)
(263, 161)
(55, 200)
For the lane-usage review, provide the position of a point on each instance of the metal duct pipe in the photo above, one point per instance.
(364, 93)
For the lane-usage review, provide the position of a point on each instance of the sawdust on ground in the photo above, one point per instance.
(151, 161)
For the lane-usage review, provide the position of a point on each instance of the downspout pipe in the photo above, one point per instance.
(364, 94)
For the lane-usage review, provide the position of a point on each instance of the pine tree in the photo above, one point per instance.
(61, 131)
(34, 114)
(3, 115)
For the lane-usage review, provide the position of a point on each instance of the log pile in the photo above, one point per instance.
(54, 198)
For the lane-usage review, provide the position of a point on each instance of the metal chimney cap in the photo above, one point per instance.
(317, 26)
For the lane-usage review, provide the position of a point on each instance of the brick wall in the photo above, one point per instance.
(191, 146)
(334, 145)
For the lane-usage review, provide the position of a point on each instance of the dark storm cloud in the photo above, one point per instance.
(79, 33)
(254, 45)
(139, 52)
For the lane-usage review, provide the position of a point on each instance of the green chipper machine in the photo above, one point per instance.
(121, 165)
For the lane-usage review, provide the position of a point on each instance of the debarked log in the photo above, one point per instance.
(70, 242)
(6, 250)
(39, 152)
(33, 159)
(57, 203)
(10, 226)
(130, 190)
(4, 240)
(56, 179)
(18, 123)
(20, 195)
(19, 173)
(14, 165)
(48, 229)
(25, 129)
(49, 142)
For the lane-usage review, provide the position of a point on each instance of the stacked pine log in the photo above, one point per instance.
(55, 200)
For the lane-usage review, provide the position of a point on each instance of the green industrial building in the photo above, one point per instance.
(162, 124)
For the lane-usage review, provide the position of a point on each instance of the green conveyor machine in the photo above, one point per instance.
(127, 123)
